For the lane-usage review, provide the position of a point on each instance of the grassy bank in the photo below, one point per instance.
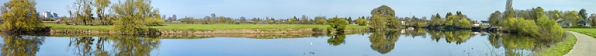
(560, 48)
(587, 31)
(200, 27)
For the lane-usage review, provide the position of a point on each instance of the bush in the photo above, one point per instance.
(330, 29)
(361, 21)
(154, 21)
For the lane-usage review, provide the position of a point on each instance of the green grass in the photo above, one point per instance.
(204, 27)
(561, 48)
(587, 31)
(77, 27)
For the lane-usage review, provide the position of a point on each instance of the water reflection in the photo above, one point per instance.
(122, 46)
(337, 39)
(384, 42)
(16, 45)
(516, 44)
(380, 42)
(458, 36)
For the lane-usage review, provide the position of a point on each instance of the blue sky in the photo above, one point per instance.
(475, 9)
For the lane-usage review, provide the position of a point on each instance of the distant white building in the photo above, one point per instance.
(51, 14)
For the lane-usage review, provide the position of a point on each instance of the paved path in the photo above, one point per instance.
(585, 45)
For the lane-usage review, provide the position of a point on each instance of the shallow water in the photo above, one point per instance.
(400, 43)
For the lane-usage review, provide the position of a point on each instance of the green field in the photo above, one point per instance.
(587, 31)
(561, 48)
(203, 27)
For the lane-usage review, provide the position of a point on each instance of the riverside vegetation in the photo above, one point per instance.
(137, 17)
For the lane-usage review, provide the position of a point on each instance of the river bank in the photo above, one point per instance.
(193, 29)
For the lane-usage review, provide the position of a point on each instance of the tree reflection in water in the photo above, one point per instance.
(457, 36)
(122, 46)
(384, 42)
(515, 44)
(337, 39)
(17, 45)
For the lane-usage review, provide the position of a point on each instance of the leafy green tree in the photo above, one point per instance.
(437, 16)
(304, 19)
(495, 18)
(539, 12)
(361, 21)
(583, 13)
(573, 17)
(320, 20)
(131, 16)
(464, 23)
(452, 20)
(83, 11)
(549, 29)
(292, 20)
(100, 5)
(383, 10)
(392, 22)
(378, 22)
(20, 15)
(510, 24)
(152, 21)
(448, 14)
(383, 17)
(338, 23)
(593, 18)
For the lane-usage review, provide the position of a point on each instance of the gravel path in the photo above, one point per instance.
(585, 46)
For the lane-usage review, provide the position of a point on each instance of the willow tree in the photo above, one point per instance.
(131, 15)
(20, 15)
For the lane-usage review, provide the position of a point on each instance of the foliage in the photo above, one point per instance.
(464, 24)
(361, 21)
(320, 20)
(383, 18)
(131, 15)
(495, 18)
(583, 14)
(572, 16)
(20, 15)
(292, 20)
(154, 21)
(378, 22)
(436, 21)
(549, 29)
(458, 21)
(100, 5)
(82, 11)
(205, 27)
(383, 10)
(338, 23)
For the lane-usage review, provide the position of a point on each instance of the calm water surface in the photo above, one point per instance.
(399, 43)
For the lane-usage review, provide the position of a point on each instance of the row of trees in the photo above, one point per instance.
(322, 20)
(384, 18)
(535, 23)
(571, 18)
(81, 13)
